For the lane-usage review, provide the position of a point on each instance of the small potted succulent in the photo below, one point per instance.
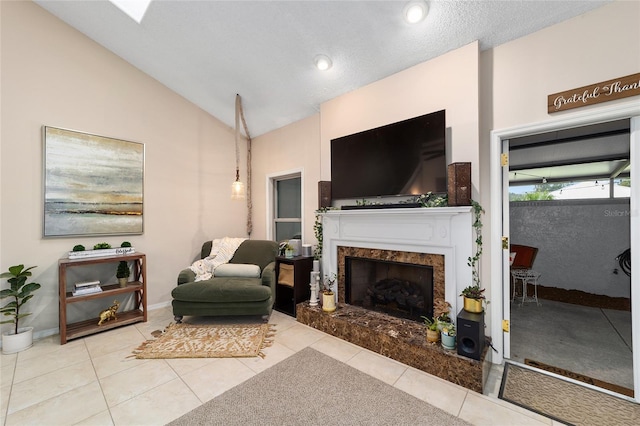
(328, 296)
(473, 297)
(286, 249)
(20, 291)
(433, 334)
(448, 336)
(122, 273)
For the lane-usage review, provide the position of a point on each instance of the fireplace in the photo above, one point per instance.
(399, 283)
(397, 289)
(436, 239)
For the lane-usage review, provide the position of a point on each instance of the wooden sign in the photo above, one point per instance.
(594, 94)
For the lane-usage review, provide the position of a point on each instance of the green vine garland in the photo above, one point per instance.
(474, 261)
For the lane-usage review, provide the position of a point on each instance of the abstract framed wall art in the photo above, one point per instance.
(93, 185)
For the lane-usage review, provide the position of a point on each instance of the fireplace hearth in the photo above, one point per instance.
(438, 238)
(399, 339)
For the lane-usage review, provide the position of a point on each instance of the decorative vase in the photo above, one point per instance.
(328, 302)
(473, 305)
(288, 253)
(448, 342)
(13, 343)
(433, 335)
(123, 282)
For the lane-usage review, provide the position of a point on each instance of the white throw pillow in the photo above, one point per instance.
(237, 270)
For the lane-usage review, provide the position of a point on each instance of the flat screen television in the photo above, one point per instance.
(399, 159)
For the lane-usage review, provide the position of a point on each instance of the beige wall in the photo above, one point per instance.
(294, 147)
(517, 77)
(53, 75)
(413, 92)
(448, 82)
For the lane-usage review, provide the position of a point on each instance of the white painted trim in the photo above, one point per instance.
(627, 109)
(271, 178)
(635, 248)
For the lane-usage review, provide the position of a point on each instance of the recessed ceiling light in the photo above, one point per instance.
(415, 11)
(135, 9)
(323, 62)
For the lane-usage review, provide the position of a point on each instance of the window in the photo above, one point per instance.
(287, 207)
(572, 190)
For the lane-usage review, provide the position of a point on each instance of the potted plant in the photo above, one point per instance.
(20, 291)
(441, 309)
(473, 294)
(285, 249)
(433, 334)
(122, 273)
(328, 297)
(448, 335)
(473, 297)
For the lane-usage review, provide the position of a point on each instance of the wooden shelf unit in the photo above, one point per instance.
(138, 287)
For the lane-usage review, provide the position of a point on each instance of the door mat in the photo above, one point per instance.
(208, 341)
(580, 377)
(565, 401)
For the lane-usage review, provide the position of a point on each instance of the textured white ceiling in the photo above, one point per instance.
(207, 51)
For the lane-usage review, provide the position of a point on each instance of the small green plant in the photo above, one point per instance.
(79, 247)
(125, 244)
(430, 323)
(283, 247)
(473, 292)
(448, 329)
(20, 291)
(101, 246)
(441, 309)
(431, 200)
(123, 270)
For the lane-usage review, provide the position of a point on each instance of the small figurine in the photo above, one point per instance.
(109, 314)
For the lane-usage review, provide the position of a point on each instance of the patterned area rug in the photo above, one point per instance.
(565, 401)
(208, 341)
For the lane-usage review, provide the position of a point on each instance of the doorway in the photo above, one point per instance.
(499, 181)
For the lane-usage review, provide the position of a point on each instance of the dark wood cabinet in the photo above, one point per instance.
(292, 282)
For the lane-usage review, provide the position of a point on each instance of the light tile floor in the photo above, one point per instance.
(94, 381)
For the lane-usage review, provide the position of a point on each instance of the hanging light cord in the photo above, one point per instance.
(240, 115)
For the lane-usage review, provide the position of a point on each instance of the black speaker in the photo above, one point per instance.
(470, 334)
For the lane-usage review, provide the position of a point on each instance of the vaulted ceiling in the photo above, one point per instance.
(207, 51)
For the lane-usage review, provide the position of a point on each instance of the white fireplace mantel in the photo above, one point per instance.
(446, 231)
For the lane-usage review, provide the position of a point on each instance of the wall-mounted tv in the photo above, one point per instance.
(403, 158)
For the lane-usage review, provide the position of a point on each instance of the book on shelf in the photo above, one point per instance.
(82, 284)
(87, 290)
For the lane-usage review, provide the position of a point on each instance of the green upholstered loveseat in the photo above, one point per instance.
(230, 295)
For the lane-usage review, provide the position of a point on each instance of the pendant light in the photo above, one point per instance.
(237, 187)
